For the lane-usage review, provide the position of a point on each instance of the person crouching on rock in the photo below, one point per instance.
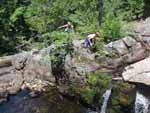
(68, 27)
(91, 38)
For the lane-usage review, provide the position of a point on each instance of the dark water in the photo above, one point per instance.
(49, 102)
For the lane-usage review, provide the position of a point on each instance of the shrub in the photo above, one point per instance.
(98, 83)
(112, 28)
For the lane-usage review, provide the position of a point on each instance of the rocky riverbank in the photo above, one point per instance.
(73, 67)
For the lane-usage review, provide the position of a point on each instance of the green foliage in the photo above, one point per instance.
(38, 20)
(126, 9)
(88, 95)
(58, 38)
(112, 28)
(132, 9)
(12, 25)
(37, 15)
(45, 15)
(18, 12)
(57, 57)
(116, 13)
(98, 83)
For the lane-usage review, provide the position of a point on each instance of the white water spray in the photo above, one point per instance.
(106, 97)
(142, 103)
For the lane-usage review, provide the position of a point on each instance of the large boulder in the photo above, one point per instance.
(138, 72)
(25, 70)
(118, 46)
(80, 62)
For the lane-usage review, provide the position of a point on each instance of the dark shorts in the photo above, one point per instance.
(87, 42)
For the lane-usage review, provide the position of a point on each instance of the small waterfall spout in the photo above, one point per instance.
(106, 97)
(142, 103)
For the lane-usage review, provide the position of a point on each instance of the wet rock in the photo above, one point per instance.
(34, 94)
(3, 100)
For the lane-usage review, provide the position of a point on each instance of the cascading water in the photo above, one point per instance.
(106, 97)
(142, 103)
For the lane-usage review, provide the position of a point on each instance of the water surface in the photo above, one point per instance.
(49, 102)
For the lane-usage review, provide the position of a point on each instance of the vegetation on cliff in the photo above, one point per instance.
(33, 23)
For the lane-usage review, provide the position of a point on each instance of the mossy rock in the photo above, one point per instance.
(122, 99)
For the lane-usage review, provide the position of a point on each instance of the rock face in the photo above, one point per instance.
(138, 72)
(80, 62)
(130, 49)
(126, 51)
(33, 70)
(25, 70)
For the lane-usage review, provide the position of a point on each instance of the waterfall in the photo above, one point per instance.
(106, 96)
(142, 103)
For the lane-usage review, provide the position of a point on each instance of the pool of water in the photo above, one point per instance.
(49, 102)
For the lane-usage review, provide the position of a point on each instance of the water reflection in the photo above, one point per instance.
(49, 102)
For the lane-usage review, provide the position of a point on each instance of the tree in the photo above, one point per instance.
(12, 24)
(100, 10)
(146, 8)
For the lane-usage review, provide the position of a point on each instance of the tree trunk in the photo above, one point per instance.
(100, 10)
(146, 8)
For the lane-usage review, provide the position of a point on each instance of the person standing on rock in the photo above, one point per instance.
(90, 39)
(68, 27)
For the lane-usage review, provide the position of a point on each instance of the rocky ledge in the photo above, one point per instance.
(138, 72)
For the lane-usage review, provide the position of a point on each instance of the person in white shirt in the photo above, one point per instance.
(90, 38)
